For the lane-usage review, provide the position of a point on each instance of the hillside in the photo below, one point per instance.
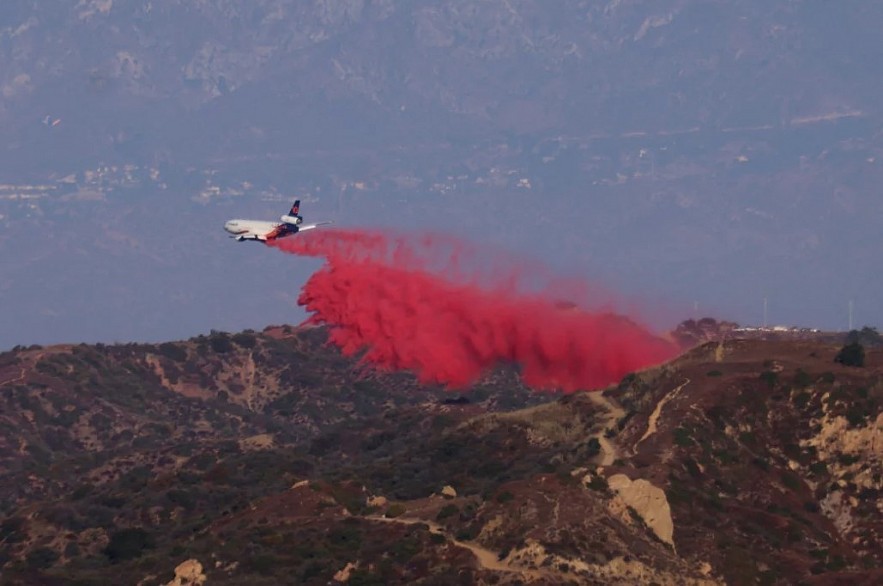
(268, 458)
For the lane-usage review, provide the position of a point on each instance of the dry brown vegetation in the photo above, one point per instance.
(267, 456)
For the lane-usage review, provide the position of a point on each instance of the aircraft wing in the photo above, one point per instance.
(303, 227)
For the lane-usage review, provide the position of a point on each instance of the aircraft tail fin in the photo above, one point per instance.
(292, 217)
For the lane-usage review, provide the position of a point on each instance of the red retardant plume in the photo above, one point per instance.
(388, 296)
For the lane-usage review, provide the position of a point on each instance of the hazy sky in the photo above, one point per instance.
(680, 153)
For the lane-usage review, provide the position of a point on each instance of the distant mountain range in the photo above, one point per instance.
(681, 151)
(267, 457)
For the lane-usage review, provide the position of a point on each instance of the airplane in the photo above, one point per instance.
(263, 231)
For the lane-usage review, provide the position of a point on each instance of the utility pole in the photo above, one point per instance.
(764, 312)
(850, 314)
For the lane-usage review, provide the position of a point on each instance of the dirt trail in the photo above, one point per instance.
(251, 370)
(487, 559)
(24, 370)
(154, 363)
(614, 414)
(654, 417)
(17, 379)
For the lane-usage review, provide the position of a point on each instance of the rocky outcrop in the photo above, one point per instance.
(853, 455)
(377, 501)
(648, 502)
(188, 573)
(619, 570)
(343, 575)
(836, 438)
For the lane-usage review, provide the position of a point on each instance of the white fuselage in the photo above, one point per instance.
(262, 231)
(251, 228)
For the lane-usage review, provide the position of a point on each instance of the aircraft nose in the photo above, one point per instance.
(228, 226)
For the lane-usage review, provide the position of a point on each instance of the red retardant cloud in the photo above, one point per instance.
(388, 296)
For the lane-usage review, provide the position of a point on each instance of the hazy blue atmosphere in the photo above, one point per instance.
(681, 152)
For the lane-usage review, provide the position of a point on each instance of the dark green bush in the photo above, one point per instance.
(41, 557)
(594, 447)
(791, 480)
(770, 378)
(395, 510)
(127, 544)
(245, 340)
(598, 483)
(447, 511)
(851, 355)
(802, 379)
(221, 344)
(173, 351)
(682, 437)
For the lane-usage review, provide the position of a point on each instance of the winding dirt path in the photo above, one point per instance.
(19, 378)
(487, 559)
(654, 417)
(24, 370)
(614, 414)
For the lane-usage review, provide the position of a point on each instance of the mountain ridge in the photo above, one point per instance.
(741, 461)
